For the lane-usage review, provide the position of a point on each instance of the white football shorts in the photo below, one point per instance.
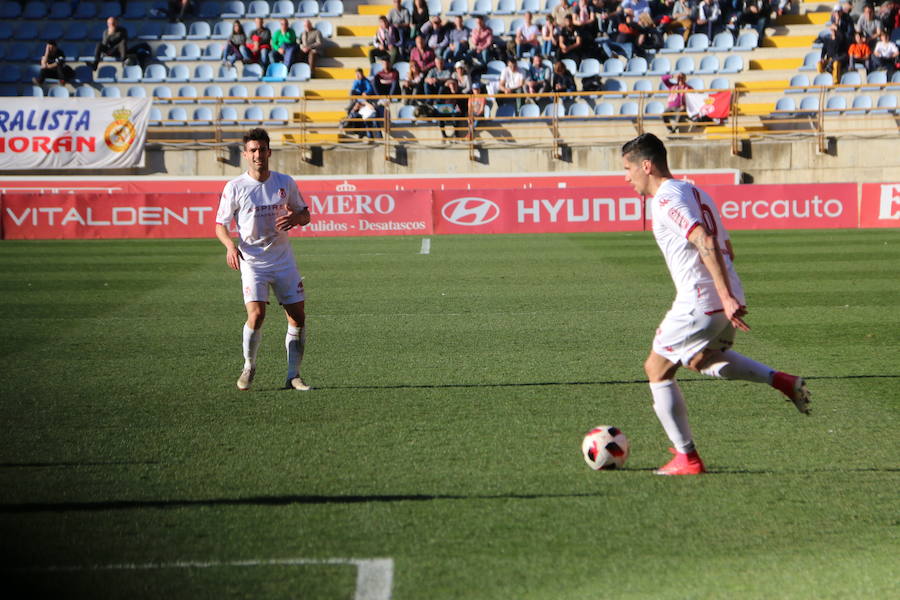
(286, 281)
(686, 330)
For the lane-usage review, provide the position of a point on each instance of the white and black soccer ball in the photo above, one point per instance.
(605, 448)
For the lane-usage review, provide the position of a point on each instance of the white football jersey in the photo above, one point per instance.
(255, 206)
(677, 208)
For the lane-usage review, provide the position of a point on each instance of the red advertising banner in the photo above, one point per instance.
(791, 206)
(880, 205)
(107, 216)
(369, 213)
(552, 210)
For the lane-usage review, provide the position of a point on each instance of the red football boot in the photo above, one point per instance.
(682, 464)
(794, 388)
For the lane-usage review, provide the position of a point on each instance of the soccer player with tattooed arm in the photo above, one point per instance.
(699, 330)
(265, 205)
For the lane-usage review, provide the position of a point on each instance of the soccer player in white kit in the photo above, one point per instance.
(265, 205)
(698, 331)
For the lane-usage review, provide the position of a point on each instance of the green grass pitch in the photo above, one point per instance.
(444, 434)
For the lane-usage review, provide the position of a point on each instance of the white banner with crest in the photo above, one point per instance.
(72, 133)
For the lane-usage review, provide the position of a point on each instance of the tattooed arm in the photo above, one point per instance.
(714, 261)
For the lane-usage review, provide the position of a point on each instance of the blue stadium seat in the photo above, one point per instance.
(861, 105)
(136, 91)
(234, 9)
(505, 110)
(434, 7)
(529, 110)
(496, 25)
(290, 93)
(178, 74)
(136, 11)
(154, 117)
(481, 7)
(251, 72)
(209, 10)
(108, 91)
(258, 8)
(228, 116)
(733, 64)
(203, 73)
(31, 91)
(640, 85)
(685, 64)
(11, 10)
(697, 42)
(800, 82)
(875, 80)
(278, 116)
(199, 30)
(836, 104)
(654, 109)
(75, 32)
(25, 31)
(106, 74)
(895, 79)
(579, 108)
(674, 45)
(58, 91)
(130, 74)
(109, 9)
(709, 65)
(850, 78)
(161, 94)
(405, 116)
(149, 31)
(505, 7)
(299, 72)
(720, 83)
(809, 105)
(276, 72)
(604, 109)
(659, 66)
(590, 67)
(696, 83)
(189, 51)
(628, 109)
(177, 117)
(282, 9)
(637, 66)
(51, 30)
(29, 72)
(886, 104)
(326, 29)
(213, 51)
(226, 74)
(747, 41)
(237, 94)
(34, 10)
(173, 31)
(722, 42)
(613, 66)
(785, 104)
(614, 85)
(810, 60)
(532, 6)
(221, 31)
(495, 67)
(165, 52)
(203, 116)
(83, 74)
(823, 79)
(253, 115)
(332, 8)
(458, 8)
(264, 94)
(211, 93)
(187, 94)
(307, 9)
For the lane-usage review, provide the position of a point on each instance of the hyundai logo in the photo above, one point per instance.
(470, 211)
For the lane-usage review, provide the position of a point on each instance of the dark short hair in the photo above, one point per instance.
(646, 147)
(257, 134)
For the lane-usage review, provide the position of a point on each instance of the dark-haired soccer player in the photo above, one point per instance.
(265, 205)
(698, 331)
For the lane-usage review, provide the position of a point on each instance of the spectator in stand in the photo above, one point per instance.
(53, 65)
(419, 17)
(512, 79)
(885, 55)
(709, 18)
(756, 15)
(561, 80)
(481, 41)
(675, 109)
(569, 40)
(458, 41)
(236, 47)
(311, 43)
(843, 20)
(638, 7)
(400, 18)
(585, 19)
(178, 9)
(462, 77)
(477, 106)
(260, 44)
(782, 7)
(436, 78)
(527, 37)
(537, 78)
(113, 43)
(437, 35)
(834, 53)
(630, 35)
(387, 80)
(549, 37)
(860, 53)
(679, 13)
(869, 25)
(362, 86)
(387, 43)
(422, 56)
(854, 8)
(560, 11)
(284, 44)
(889, 15)
(414, 83)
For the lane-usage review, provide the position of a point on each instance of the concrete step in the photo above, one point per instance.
(809, 18)
(789, 41)
(776, 64)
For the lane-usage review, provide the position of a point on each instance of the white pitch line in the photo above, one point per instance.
(374, 576)
(426, 246)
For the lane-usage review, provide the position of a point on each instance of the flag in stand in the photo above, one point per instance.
(714, 106)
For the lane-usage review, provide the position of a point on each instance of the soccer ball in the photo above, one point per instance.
(605, 448)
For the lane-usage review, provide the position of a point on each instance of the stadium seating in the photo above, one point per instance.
(733, 64)
(136, 91)
(799, 81)
(86, 91)
(257, 9)
(162, 93)
(199, 30)
(637, 66)
(709, 65)
(505, 7)
(237, 94)
(835, 104)
(203, 115)
(154, 117)
(332, 8)
(299, 72)
(226, 73)
(228, 115)
(685, 64)
(674, 45)
(875, 80)
(178, 74)
(211, 93)
(529, 110)
(187, 94)
(278, 116)
(282, 9)
(234, 9)
(860, 105)
(579, 108)
(253, 115)
(203, 73)
(189, 51)
(177, 116)
(307, 9)
(276, 72)
(640, 85)
(698, 42)
(654, 109)
(659, 66)
(290, 93)
(885, 105)
(264, 94)
(107, 92)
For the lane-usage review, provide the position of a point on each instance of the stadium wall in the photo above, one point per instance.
(778, 161)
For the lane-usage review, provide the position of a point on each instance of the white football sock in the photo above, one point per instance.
(295, 344)
(738, 366)
(672, 414)
(252, 338)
